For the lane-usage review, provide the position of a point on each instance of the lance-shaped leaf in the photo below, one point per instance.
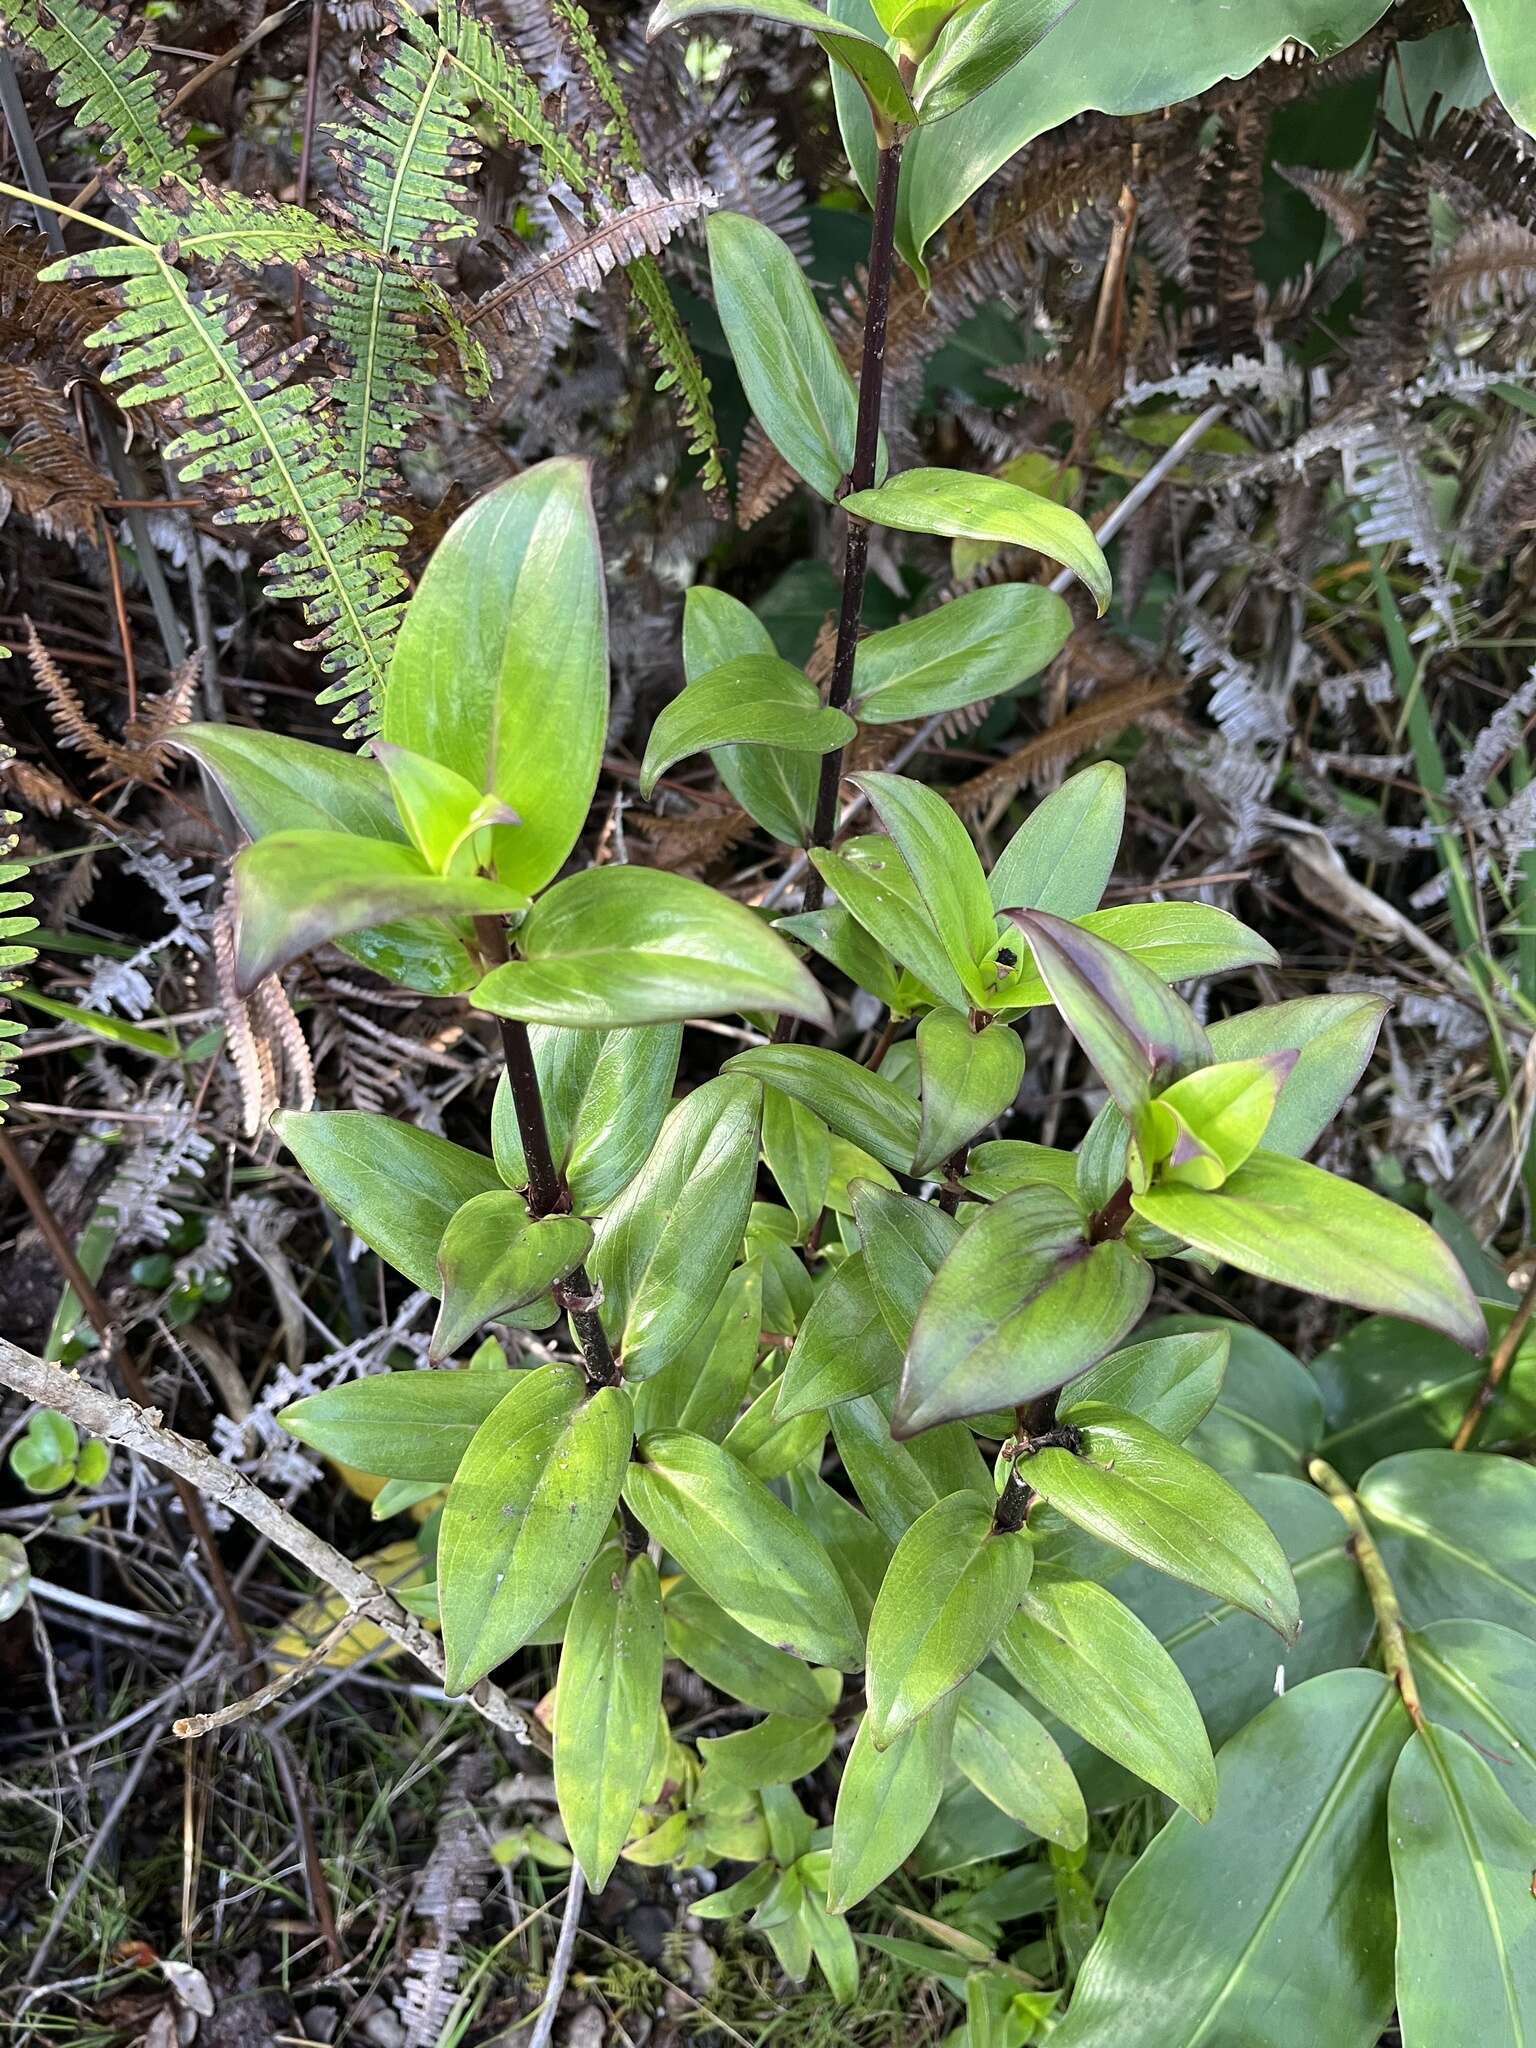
(494, 1258)
(905, 1242)
(875, 885)
(395, 1185)
(840, 938)
(938, 851)
(1456, 1535)
(1283, 1220)
(607, 1706)
(1062, 856)
(668, 1242)
(1022, 1304)
(1204, 1127)
(1176, 941)
(526, 1512)
(980, 646)
(295, 890)
(741, 1544)
(1504, 31)
(500, 669)
(629, 945)
(1480, 1678)
(872, 1113)
(949, 1591)
(1333, 1038)
(1137, 1033)
(897, 1482)
(866, 62)
(959, 504)
(1132, 1487)
(1461, 1872)
(1093, 1664)
(753, 700)
(1170, 1381)
(448, 821)
(605, 1094)
(401, 1425)
(276, 784)
(704, 1385)
(776, 1751)
(980, 44)
(797, 1148)
(794, 378)
(884, 1804)
(843, 1348)
(968, 1078)
(1208, 1941)
(775, 787)
(736, 1662)
(1010, 1757)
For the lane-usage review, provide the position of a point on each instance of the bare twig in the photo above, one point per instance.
(1498, 1367)
(560, 1968)
(1378, 1584)
(193, 1725)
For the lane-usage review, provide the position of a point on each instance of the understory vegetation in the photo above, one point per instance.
(768, 1023)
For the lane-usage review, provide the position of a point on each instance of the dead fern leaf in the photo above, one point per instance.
(142, 755)
(1093, 724)
(1491, 267)
(583, 252)
(690, 845)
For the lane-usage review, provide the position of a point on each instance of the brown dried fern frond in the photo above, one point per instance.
(1491, 267)
(1338, 195)
(1229, 219)
(1103, 718)
(691, 844)
(143, 754)
(585, 251)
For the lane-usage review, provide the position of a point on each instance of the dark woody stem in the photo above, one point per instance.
(861, 477)
(1034, 1421)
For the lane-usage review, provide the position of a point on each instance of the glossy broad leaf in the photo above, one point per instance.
(981, 44)
(605, 1095)
(750, 700)
(1333, 1038)
(1457, 1535)
(1021, 1305)
(956, 503)
(872, 1113)
(495, 1258)
(1480, 1678)
(401, 1425)
(607, 1706)
(863, 58)
(526, 1512)
(1134, 1488)
(1213, 1938)
(500, 668)
(395, 1185)
(294, 890)
(1008, 1755)
(1504, 31)
(274, 783)
(1170, 1381)
(740, 1543)
(904, 1241)
(1283, 1220)
(978, 647)
(1062, 856)
(885, 1802)
(843, 1349)
(1268, 1416)
(968, 1078)
(1390, 1386)
(665, 1247)
(631, 945)
(949, 1592)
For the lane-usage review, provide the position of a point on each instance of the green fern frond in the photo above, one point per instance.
(679, 369)
(493, 79)
(106, 81)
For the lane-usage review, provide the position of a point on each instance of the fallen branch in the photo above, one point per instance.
(141, 1431)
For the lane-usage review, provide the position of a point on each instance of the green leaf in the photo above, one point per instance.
(1504, 32)
(1268, 1416)
(500, 668)
(770, 1445)
(665, 1247)
(1093, 1664)
(956, 502)
(743, 1547)
(605, 1094)
(858, 1549)
(1132, 1487)
(1389, 1386)
(979, 45)
(1205, 1126)
(1481, 1679)
(631, 945)
(968, 1078)
(875, 885)
(1062, 856)
(276, 784)
(156, 1045)
(1008, 1755)
(776, 1751)
(950, 1590)
(295, 890)
(793, 376)
(777, 789)
(448, 821)
(1283, 1220)
(898, 1482)
(1004, 1165)
(736, 1662)
(938, 852)
(1171, 1381)
(607, 1706)
(702, 1388)
(843, 1348)
(1461, 1870)
(395, 1185)
(1137, 1033)
(750, 700)
(495, 1258)
(1022, 1304)
(884, 1804)
(1333, 1038)
(1208, 1941)
(1455, 1532)
(1176, 941)
(839, 938)
(904, 1242)
(525, 1514)
(798, 1149)
(864, 60)
(979, 646)
(401, 1425)
(873, 1113)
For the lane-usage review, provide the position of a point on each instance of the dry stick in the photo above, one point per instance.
(1498, 1367)
(238, 1710)
(141, 1431)
(1378, 1584)
(560, 1968)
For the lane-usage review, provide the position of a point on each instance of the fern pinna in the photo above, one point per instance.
(306, 435)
